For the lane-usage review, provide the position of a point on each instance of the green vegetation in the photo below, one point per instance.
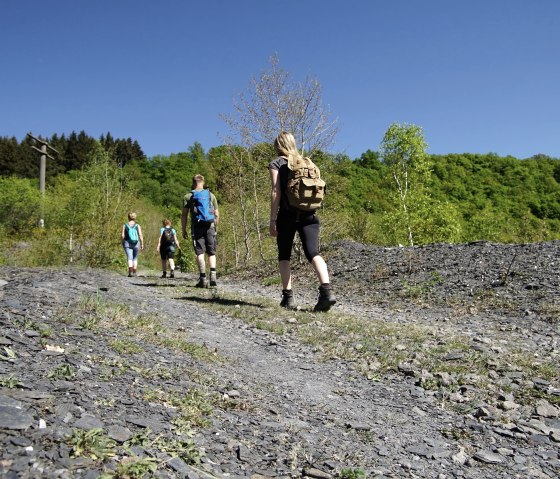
(94, 444)
(194, 406)
(63, 371)
(448, 198)
(349, 473)
(10, 382)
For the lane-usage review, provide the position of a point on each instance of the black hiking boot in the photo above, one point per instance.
(325, 301)
(288, 299)
(172, 274)
(164, 274)
(213, 283)
(201, 283)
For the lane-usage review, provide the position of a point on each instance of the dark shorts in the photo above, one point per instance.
(306, 225)
(204, 239)
(168, 252)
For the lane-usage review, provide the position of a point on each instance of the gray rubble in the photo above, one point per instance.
(284, 412)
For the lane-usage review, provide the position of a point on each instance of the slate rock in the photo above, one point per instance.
(155, 423)
(119, 433)
(8, 401)
(21, 441)
(15, 418)
(87, 422)
(243, 453)
(178, 465)
(315, 473)
(545, 409)
(488, 457)
(420, 450)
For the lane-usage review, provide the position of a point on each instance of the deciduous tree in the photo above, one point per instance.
(273, 102)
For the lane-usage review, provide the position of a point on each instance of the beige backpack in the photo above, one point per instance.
(306, 189)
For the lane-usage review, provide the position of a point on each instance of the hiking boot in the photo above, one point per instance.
(325, 301)
(288, 299)
(172, 274)
(164, 274)
(130, 274)
(213, 282)
(201, 283)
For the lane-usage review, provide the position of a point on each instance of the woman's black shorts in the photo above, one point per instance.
(306, 225)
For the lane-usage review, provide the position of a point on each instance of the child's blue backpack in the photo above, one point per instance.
(203, 212)
(131, 234)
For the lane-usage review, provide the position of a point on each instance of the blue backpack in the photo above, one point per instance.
(131, 234)
(203, 212)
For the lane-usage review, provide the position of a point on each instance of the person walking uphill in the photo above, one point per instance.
(133, 242)
(203, 208)
(296, 193)
(166, 246)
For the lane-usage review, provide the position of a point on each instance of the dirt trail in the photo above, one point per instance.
(293, 414)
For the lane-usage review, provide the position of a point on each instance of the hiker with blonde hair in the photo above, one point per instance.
(287, 219)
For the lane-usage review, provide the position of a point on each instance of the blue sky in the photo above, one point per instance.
(479, 76)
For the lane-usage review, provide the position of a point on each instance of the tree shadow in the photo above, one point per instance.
(222, 301)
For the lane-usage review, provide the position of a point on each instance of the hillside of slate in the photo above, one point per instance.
(282, 409)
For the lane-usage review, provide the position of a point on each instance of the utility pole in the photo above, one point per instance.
(42, 170)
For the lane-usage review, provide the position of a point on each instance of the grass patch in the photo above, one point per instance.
(64, 371)
(133, 468)
(272, 281)
(194, 408)
(10, 382)
(125, 346)
(550, 312)
(94, 444)
(94, 313)
(421, 289)
(380, 348)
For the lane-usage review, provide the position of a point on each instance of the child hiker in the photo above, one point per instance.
(166, 246)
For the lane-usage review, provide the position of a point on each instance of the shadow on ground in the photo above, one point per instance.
(222, 301)
(157, 285)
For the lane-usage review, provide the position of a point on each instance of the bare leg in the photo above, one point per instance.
(321, 270)
(212, 261)
(201, 263)
(171, 264)
(163, 265)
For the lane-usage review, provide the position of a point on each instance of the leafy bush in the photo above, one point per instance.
(20, 204)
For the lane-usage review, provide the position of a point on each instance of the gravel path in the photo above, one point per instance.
(279, 409)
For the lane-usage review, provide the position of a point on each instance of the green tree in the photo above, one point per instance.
(403, 150)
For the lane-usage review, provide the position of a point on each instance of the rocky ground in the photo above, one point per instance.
(202, 392)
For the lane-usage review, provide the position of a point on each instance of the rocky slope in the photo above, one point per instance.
(204, 393)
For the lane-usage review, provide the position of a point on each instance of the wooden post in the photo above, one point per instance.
(43, 168)
(42, 171)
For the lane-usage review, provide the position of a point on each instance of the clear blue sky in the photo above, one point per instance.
(479, 75)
